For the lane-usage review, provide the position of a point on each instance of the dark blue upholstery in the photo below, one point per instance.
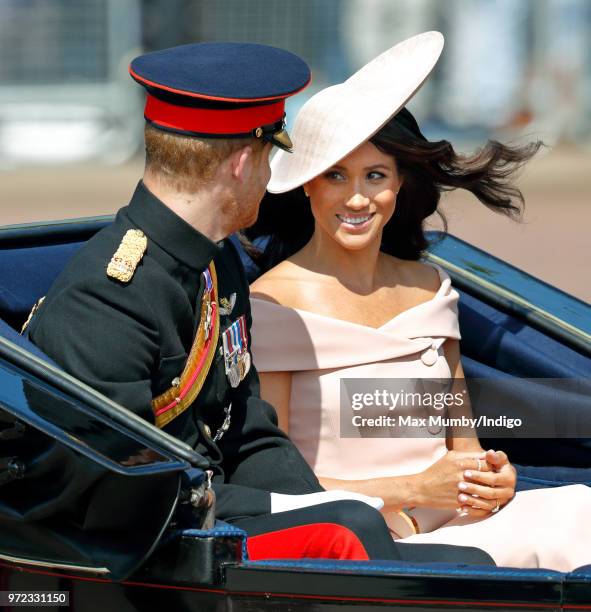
(497, 345)
(404, 567)
(583, 572)
(542, 476)
(10, 334)
(221, 529)
(503, 343)
(27, 274)
(252, 270)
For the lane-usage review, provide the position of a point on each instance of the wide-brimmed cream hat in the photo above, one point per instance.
(340, 118)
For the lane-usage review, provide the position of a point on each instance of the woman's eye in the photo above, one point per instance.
(375, 175)
(334, 175)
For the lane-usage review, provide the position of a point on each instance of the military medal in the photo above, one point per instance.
(234, 375)
(227, 305)
(231, 350)
(209, 309)
(245, 359)
(225, 425)
(236, 371)
(236, 357)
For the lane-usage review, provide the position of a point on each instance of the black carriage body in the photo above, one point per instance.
(511, 324)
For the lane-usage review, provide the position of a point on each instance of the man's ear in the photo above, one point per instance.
(240, 161)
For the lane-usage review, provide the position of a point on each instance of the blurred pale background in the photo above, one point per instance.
(71, 120)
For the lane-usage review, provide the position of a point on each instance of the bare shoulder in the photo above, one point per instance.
(427, 277)
(416, 274)
(281, 284)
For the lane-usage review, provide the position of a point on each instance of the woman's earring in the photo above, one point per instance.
(306, 193)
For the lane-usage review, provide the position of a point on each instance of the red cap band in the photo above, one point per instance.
(212, 121)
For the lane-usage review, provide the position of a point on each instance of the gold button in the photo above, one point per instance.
(207, 430)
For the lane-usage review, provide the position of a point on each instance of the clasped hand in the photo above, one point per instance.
(477, 483)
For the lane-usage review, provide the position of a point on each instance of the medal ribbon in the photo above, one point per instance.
(236, 339)
(243, 335)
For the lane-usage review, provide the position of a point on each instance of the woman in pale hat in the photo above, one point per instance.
(345, 296)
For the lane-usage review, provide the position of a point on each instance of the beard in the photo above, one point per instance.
(248, 207)
(240, 214)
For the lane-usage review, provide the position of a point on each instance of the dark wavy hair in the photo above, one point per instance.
(428, 168)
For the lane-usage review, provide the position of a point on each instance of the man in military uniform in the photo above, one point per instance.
(154, 310)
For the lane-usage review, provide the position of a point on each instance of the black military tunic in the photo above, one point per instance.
(131, 340)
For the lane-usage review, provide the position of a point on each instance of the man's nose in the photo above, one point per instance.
(357, 201)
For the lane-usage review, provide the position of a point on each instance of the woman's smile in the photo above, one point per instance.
(355, 223)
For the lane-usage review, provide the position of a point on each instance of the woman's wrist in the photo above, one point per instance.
(416, 490)
(397, 491)
(402, 491)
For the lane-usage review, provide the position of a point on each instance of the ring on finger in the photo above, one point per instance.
(497, 507)
(479, 464)
(475, 502)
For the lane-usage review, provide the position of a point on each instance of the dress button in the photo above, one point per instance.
(429, 357)
(434, 430)
(207, 430)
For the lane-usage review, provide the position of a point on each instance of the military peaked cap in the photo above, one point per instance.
(223, 90)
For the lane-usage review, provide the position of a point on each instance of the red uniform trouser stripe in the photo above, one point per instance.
(317, 540)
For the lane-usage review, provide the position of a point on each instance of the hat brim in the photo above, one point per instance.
(282, 140)
(338, 119)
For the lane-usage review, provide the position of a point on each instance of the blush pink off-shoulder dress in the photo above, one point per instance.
(538, 528)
